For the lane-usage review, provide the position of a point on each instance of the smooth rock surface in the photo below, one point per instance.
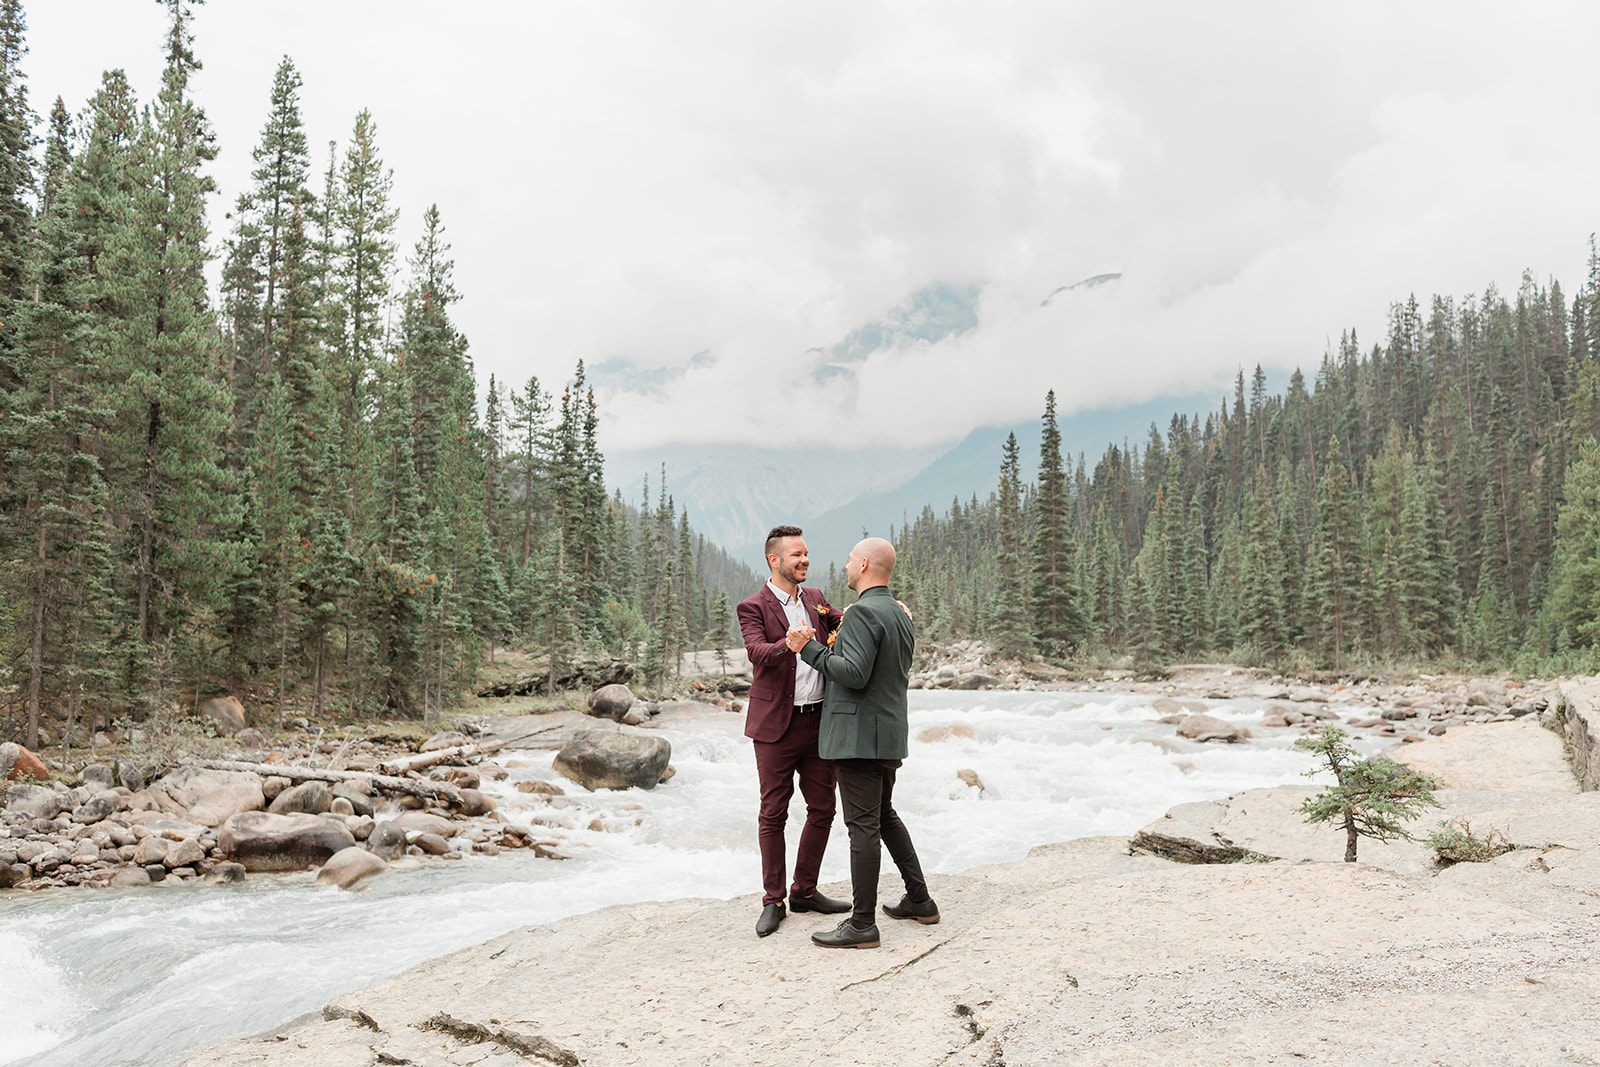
(349, 866)
(1522, 756)
(225, 714)
(208, 797)
(262, 841)
(601, 760)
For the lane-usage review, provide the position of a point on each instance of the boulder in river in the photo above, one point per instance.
(610, 702)
(348, 866)
(475, 803)
(599, 760)
(359, 801)
(225, 714)
(262, 841)
(423, 822)
(387, 841)
(130, 876)
(209, 797)
(946, 732)
(1208, 728)
(307, 798)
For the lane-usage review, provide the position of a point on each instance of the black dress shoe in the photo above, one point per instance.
(818, 903)
(771, 916)
(925, 912)
(848, 935)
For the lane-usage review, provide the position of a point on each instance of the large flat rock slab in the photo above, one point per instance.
(1520, 755)
(1077, 954)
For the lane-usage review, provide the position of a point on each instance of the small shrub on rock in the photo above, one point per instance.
(1454, 844)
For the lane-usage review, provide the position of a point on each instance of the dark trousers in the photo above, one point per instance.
(866, 789)
(777, 765)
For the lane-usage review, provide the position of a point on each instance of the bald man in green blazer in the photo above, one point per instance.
(864, 731)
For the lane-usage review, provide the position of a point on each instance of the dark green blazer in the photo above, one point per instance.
(864, 705)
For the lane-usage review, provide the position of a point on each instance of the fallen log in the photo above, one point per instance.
(445, 755)
(417, 787)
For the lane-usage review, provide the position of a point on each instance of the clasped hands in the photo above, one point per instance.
(799, 635)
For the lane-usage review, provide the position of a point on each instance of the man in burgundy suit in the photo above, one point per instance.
(784, 709)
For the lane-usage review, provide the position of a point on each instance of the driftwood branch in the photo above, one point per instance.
(460, 752)
(417, 787)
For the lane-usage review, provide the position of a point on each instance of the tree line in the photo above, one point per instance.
(1432, 499)
(288, 486)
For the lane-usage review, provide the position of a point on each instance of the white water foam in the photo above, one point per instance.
(141, 976)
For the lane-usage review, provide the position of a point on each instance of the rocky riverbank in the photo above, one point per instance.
(1087, 952)
(353, 807)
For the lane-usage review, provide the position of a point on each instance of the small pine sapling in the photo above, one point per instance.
(1373, 795)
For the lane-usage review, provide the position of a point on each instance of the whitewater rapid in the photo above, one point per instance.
(142, 976)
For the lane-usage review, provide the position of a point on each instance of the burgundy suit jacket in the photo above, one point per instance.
(765, 628)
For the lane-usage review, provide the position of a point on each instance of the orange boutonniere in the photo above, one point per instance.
(832, 638)
(822, 609)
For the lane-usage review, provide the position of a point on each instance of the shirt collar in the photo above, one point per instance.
(784, 598)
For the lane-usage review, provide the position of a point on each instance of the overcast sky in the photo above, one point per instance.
(746, 185)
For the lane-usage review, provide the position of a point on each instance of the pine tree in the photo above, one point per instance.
(162, 358)
(1058, 616)
(1009, 627)
(1332, 579)
(1573, 605)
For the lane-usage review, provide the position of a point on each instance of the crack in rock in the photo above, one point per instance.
(897, 968)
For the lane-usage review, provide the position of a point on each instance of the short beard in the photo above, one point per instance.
(789, 574)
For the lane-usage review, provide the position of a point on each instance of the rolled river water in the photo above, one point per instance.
(144, 976)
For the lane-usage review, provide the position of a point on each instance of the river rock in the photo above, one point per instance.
(975, 680)
(970, 777)
(610, 702)
(1208, 728)
(209, 797)
(445, 739)
(360, 826)
(945, 733)
(475, 803)
(227, 873)
(97, 808)
(131, 876)
(432, 844)
(534, 785)
(598, 760)
(387, 841)
(152, 849)
(264, 841)
(250, 737)
(129, 775)
(225, 714)
(422, 822)
(14, 874)
(307, 798)
(8, 758)
(36, 801)
(348, 866)
(185, 853)
(360, 802)
(22, 764)
(99, 776)
(273, 785)
(341, 807)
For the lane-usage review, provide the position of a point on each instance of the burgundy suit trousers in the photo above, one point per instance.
(777, 764)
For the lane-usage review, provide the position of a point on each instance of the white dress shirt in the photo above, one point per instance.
(807, 682)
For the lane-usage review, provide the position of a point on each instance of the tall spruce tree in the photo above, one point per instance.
(1058, 616)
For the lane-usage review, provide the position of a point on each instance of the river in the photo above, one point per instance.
(143, 976)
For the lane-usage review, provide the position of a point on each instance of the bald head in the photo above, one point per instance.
(871, 564)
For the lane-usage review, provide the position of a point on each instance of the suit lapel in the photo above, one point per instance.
(775, 615)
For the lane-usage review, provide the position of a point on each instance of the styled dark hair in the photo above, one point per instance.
(778, 533)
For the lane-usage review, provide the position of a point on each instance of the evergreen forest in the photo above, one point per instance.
(1431, 501)
(287, 486)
